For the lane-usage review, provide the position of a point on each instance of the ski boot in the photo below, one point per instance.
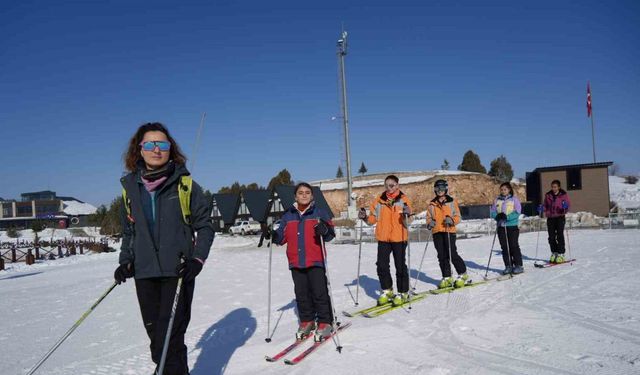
(553, 258)
(400, 298)
(461, 280)
(559, 258)
(385, 297)
(446, 282)
(304, 330)
(323, 331)
(507, 270)
(518, 270)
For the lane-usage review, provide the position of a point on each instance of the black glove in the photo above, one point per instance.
(501, 217)
(362, 214)
(189, 270)
(321, 229)
(123, 272)
(431, 225)
(406, 211)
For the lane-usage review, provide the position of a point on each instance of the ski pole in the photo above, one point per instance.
(167, 337)
(406, 224)
(268, 338)
(486, 272)
(540, 210)
(73, 328)
(415, 283)
(568, 244)
(336, 324)
(359, 258)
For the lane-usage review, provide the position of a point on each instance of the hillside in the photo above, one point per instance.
(469, 188)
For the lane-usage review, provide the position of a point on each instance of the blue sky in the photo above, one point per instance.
(427, 80)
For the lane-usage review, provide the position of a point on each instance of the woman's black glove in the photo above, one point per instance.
(321, 229)
(123, 272)
(189, 270)
(501, 217)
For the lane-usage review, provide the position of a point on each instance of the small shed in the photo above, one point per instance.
(586, 184)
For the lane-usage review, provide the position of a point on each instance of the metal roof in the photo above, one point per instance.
(604, 164)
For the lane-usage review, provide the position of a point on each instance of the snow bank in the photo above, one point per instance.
(625, 195)
(73, 208)
(56, 234)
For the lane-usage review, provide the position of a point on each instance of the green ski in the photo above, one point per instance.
(389, 307)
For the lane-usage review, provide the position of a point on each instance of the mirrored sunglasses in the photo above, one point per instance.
(151, 145)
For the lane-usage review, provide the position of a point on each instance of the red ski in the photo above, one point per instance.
(315, 346)
(287, 350)
(547, 264)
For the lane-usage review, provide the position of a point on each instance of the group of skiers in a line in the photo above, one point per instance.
(166, 241)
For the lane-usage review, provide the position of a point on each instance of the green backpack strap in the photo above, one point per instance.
(127, 203)
(184, 195)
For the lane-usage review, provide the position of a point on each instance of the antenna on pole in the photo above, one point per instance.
(195, 149)
(342, 52)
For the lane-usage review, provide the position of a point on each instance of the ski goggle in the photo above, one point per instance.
(439, 189)
(151, 145)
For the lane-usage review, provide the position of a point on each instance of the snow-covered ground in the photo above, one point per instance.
(55, 234)
(572, 319)
(626, 196)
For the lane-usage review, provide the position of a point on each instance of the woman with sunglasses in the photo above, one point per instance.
(389, 212)
(506, 212)
(443, 214)
(158, 246)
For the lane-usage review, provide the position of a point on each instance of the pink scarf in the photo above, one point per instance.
(153, 185)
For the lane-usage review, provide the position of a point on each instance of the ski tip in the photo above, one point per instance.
(288, 362)
(269, 359)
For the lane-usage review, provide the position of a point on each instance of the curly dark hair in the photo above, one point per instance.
(508, 185)
(132, 156)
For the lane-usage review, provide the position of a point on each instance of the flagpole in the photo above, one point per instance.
(590, 114)
(593, 137)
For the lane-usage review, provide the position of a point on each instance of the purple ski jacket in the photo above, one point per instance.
(553, 204)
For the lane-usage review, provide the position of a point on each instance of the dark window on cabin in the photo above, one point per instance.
(574, 179)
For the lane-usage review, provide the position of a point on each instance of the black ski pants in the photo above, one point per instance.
(312, 294)
(155, 296)
(385, 249)
(555, 227)
(511, 255)
(441, 242)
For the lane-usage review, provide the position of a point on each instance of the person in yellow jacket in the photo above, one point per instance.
(443, 214)
(389, 212)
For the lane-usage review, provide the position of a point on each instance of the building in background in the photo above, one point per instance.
(259, 205)
(586, 184)
(45, 206)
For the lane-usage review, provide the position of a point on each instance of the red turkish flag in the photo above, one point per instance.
(588, 100)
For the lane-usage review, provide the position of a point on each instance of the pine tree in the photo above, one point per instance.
(282, 178)
(445, 165)
(12, 232)
(339, 173)
(112, 223)
(471, 163)
(501, 169)
(362, 170)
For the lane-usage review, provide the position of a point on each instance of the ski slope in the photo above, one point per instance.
(571, 319)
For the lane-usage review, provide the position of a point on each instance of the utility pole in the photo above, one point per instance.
(195, 149)
(342, 52)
